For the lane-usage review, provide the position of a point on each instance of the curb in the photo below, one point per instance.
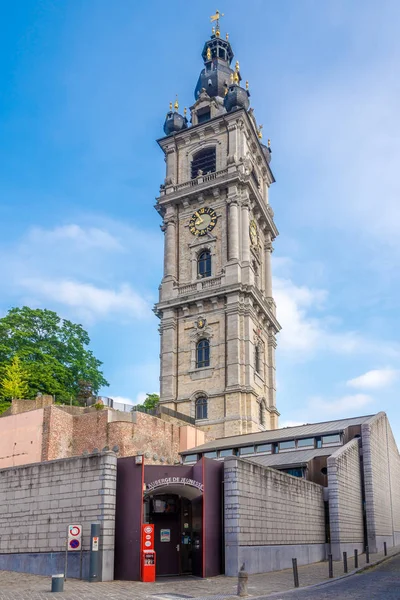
(329, 581)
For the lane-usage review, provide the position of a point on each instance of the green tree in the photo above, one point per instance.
(13, 383)
(52, 350)
(150, 402)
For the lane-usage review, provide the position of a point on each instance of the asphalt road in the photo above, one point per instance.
(379, 583)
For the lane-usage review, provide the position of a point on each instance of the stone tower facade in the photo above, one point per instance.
(218, 323)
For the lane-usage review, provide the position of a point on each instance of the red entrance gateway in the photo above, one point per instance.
(184, 506)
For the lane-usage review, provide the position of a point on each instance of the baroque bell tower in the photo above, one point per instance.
(218, 320)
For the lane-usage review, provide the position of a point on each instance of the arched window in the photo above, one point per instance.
(261, 414)
(204, 264)
(203, 354)
(257, 362)
(201, 408)
(204, 161)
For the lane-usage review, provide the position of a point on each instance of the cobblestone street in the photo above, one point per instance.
(21, 586)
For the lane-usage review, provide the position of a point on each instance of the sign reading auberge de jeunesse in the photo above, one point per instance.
(174, 481)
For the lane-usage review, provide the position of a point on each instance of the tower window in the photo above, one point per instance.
(204, 161)
(257, 361)
(204, 264)
(201, 408)
(203, 354)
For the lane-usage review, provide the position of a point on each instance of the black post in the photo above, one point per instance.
(356, 558)
(330, 562)
(345, 569)
(367, 553)
(95, 565)
(385, 548)
(295, 572)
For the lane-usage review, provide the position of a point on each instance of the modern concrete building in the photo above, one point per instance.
(354, 462)
(218, 319)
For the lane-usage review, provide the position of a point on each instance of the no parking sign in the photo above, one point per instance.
(74, 537)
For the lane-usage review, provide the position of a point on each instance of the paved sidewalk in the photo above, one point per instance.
(20, 586)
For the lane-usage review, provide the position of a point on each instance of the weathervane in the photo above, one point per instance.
(216, 18)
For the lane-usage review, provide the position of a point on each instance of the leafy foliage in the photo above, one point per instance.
(13, 383)
(150, 402)
(53, 352)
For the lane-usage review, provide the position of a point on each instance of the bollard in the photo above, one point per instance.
(356, 558)
(345, 569)
(95, 563)
(57, 583)
(330, 563)
(243, 578)
(295, 572)
(385, 548)
(367, 553)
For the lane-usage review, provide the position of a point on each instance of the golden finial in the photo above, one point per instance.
(247, 85)
(269, 143)
(217, 33)
(185, 111)
(259, 132)
(227, 37)
(170, 106)
(236, 77)
(237, 66)
(208, 53)
(176, 105)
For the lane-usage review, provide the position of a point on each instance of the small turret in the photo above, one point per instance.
(174, 122)
(235, 96)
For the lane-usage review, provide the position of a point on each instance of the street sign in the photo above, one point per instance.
(74, 537)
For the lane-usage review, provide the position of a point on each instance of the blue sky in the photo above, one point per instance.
(84, 88)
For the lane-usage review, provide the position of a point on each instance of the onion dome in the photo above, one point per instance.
(174, 122)
(217, 56)
(235, 96)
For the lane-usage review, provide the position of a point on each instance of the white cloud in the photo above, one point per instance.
(321, 408)
(82, 239)
(90, 301)
(375, 379)
(306, 328)
(290, 424)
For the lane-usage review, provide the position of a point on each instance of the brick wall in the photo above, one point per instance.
(270, 518)
(382, 482)
(38, 502)
(345, 500)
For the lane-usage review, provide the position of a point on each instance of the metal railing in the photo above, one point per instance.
(160, 409)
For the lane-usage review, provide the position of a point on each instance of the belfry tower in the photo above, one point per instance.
(217, 313)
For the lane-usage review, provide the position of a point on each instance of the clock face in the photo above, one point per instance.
(253, 233)
(203, 221)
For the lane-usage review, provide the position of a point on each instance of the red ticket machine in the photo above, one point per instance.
(148, 566)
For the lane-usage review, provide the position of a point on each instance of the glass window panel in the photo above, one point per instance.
(203, 354)
(201, 408)
(287, 445)
(190, 458)
(305, 442)
(331, 439)
(264, 448)
(226, 452)
(246, 450)
(210, 454)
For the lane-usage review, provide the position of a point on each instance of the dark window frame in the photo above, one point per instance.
(203, 353)
(204, 263)
(201, 407)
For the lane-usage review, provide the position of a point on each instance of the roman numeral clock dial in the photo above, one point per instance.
(203, 221)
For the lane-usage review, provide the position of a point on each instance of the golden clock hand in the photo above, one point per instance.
(199, 219)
